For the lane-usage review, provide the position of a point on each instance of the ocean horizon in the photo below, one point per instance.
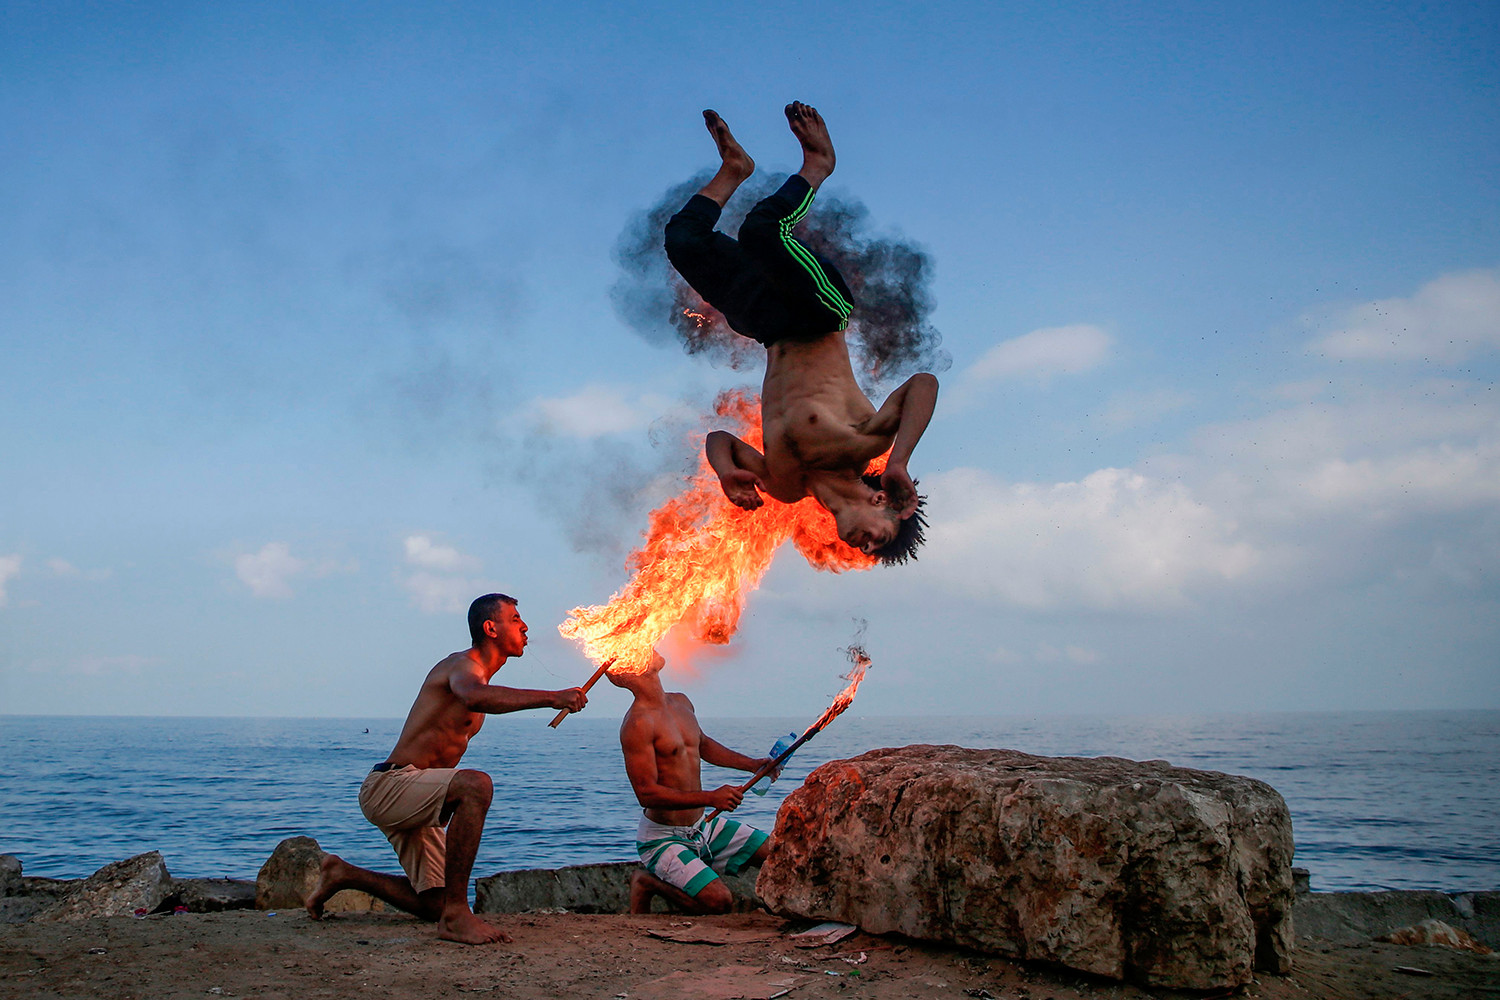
(1379, 800)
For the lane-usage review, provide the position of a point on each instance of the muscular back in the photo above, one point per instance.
(814, 415)
(439, 726)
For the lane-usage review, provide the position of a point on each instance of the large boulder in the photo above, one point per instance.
(1143, 871)
(119, 889)
(291, 874)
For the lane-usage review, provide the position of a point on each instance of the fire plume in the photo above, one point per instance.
(845, 698)
(701, 556)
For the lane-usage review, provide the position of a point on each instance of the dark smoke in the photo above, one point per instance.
(889, 333)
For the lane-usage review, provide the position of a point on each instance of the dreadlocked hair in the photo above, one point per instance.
(910, 533)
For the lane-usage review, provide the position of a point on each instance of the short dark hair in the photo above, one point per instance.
(482, 610)
(910, 533)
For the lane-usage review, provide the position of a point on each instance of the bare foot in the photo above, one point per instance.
(730, 151)
(465, 928)
(817, 148)
(331, 875)
(736, 165)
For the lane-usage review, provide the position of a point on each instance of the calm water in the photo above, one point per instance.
(1397, 800)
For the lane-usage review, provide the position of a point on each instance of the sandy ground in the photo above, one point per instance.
(248, 953)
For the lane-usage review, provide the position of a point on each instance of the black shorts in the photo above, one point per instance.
(766, 283)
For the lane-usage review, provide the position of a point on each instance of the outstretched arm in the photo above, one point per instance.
(719, 755)
(494, 699)
(638, 743)
(741, 468)
(905, 413)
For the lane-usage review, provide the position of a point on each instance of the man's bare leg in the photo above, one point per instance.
(817, 148)
(736, 165)
(469, 795)
(715, 897)
(337, 874)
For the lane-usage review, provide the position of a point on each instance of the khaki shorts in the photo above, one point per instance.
(406, 803)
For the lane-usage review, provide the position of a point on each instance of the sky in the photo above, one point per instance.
(307, 338)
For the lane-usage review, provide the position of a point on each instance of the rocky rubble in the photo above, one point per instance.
(1143, 871)
(121, 889)
(603, 888)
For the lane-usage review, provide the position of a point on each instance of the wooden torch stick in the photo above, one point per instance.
(766, 769)
(564, 713)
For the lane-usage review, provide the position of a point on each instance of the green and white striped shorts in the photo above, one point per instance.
(690, 856)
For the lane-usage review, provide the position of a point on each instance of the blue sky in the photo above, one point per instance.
(307, 339)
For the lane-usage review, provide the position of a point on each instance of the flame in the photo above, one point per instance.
(845, 698)
(701, 556)
(700, 320)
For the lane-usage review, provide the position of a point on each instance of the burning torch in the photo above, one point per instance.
(845, 698)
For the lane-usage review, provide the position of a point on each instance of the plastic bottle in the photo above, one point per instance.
(777, 749)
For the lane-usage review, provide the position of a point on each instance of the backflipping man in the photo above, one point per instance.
(821, 432)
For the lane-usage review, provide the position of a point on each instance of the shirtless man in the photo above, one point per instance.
(664, 750)
(418, 790)
(821, 432)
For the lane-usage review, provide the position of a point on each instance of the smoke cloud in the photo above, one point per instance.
(890, 333)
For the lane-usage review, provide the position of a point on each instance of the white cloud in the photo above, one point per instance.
(591, 412)
(1048, 653)
(1377, 456)
(1442, 477)
(438, 594)
(422, 551)
(1448, 319)
(441, 582)
(65, 569)
(1115, 539)
(10, 567)
(1041, 354)
(268, 573)
(1129, 409)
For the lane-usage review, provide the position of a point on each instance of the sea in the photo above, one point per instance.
(1379, 800)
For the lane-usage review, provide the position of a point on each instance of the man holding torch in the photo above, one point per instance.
(821, 431)
(418, 790)
(682, 853)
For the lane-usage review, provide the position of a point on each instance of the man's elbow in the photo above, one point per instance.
(926, 380)
(652, 797)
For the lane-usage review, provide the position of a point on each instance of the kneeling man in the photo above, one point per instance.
(683, 855)
(418, 790)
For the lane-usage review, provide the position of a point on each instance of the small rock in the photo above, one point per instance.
(1435, 932)
(290, 875)
(10, 873)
